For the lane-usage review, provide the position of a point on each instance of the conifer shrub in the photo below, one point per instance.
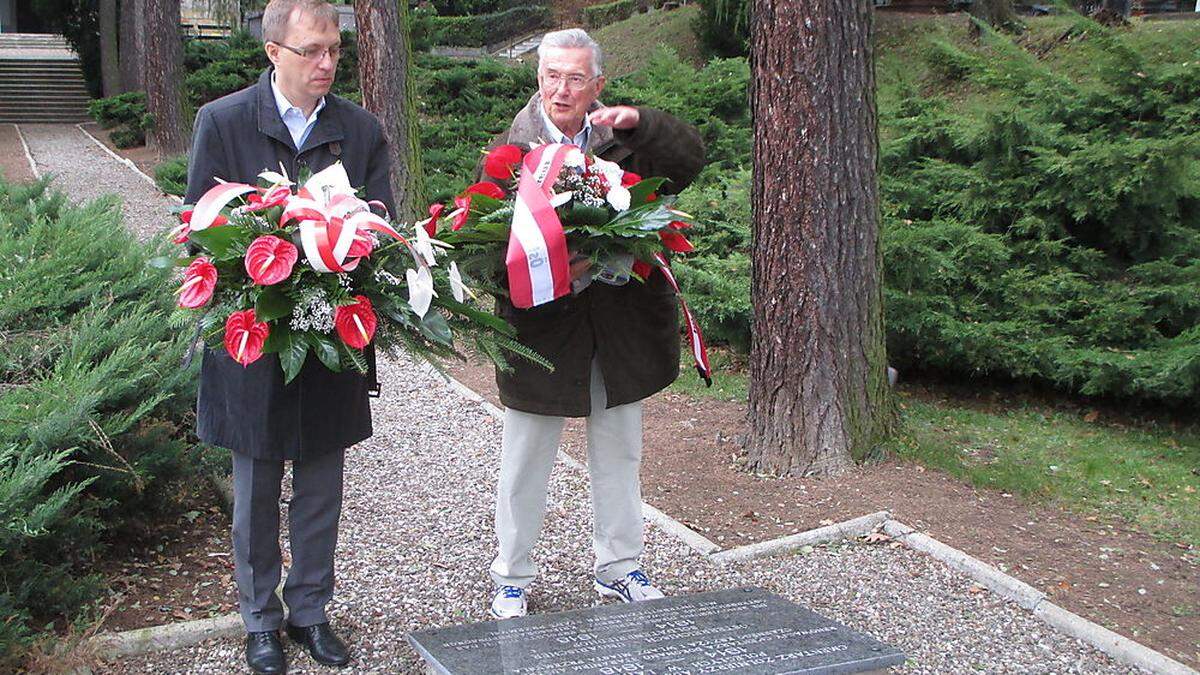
(94, 402)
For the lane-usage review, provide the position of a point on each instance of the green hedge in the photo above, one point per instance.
(480, 7)
(597, 16)
(488, 29)
(93, 399)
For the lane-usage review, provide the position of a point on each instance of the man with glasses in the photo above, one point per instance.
(287, 119)
(611, 345)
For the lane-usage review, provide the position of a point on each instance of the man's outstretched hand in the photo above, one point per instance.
(617, 117)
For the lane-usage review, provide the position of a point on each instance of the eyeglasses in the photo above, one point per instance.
(314, 54)
(574, 82)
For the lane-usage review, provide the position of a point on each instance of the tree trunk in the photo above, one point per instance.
(110, 74)
(819, 395)
(132, 56)
(384, 55)
(164, 64)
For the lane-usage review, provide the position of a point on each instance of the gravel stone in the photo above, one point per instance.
(84, 171)
(416, 540)
(416, 534)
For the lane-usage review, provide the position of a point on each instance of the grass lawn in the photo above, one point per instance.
(1148, 476)
(628, 43)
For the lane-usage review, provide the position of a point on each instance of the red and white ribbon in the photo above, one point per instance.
(209, 206)
(695, 337)
(537, 261)
(328, 232)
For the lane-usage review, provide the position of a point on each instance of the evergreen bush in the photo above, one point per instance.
(488, 29)
(93, 400)
(598, 16)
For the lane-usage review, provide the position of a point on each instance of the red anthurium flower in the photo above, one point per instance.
(244, 336)
(362, 245)
(643, 269)
(462, 206)
(199, 280)
(486, 189)
(500, 161)
(269, 260)
(629, 179)
(435, 212)
(179, 235)
(356, 323)
(276, 196)
(675, 242)
(679, 225)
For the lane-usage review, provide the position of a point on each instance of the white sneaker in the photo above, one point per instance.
(508, 602)
(633, 587)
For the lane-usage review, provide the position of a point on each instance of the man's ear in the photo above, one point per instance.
(600, 82)
(272, 51)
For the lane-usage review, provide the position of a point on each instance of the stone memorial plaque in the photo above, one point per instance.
(745, 630)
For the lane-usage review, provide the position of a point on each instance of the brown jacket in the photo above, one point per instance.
(633, 330)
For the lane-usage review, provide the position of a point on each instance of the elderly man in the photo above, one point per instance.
(287, 119)
(611, 346)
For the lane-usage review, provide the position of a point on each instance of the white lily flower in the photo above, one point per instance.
(276, 178)
(456, 283)
(420, 290)
(328, 183)
(561, 198)
(424, 246)
(618, 197)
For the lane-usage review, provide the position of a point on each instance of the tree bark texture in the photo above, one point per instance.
(819, 396)
(164, 65)
(384, 58)
(110, 73)
(132, 57)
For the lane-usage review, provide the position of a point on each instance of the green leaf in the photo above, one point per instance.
(291, 347)
(643, 189)
(326, 350)
(272, 304)
(217, 240)
(580, 214)
(434, 327)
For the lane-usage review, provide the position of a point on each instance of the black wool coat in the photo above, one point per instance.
(249, 409)
(632, 330)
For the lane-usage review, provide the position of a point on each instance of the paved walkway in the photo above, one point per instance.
(416, 535)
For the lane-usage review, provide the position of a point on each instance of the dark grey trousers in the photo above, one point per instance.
(313, 515)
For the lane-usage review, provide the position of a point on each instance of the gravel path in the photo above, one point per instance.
(85, 171)
(416, 541)
(416, 528)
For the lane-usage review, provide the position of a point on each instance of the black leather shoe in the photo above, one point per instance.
(264, 653)
(320, 641)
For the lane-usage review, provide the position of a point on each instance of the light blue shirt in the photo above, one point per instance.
(557, 136)
(293, 118)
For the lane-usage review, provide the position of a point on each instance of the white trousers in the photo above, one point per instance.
(528, 451)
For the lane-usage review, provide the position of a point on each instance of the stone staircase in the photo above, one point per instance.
(40, 80)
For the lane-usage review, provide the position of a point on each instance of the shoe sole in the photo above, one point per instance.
(496, 616)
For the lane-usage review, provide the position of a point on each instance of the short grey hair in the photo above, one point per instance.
(275, 17)
(573, 38)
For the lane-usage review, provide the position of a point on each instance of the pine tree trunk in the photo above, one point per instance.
(110, 74)
(132, 57)
(384, 58)
(819, 396)
(164, 64)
